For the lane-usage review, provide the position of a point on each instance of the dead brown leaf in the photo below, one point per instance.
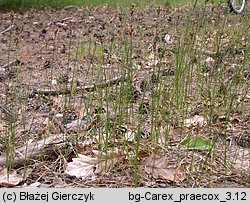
(197, 120)
(161, 170)
(242, 162)
(85, 166)
(172, 136)
(10, 179)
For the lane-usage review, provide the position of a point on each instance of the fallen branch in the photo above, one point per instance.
(7, 29)
(35, 149)
(45, 147)
(86, 88)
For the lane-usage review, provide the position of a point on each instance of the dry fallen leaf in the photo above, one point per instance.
(79, 124)
(195, 121)
(82, 167)
(10, 180)
(172, 135)
(167, 39)
(209, 61)
(161, 170)
(242, 161)
(85, 166)
(129, 136)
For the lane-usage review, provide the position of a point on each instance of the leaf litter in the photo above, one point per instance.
(85, 166)
(77, 130)
(160, 169)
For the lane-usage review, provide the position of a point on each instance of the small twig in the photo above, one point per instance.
(113, 18)
(59, 21)
(66, 19)
(7, 29)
